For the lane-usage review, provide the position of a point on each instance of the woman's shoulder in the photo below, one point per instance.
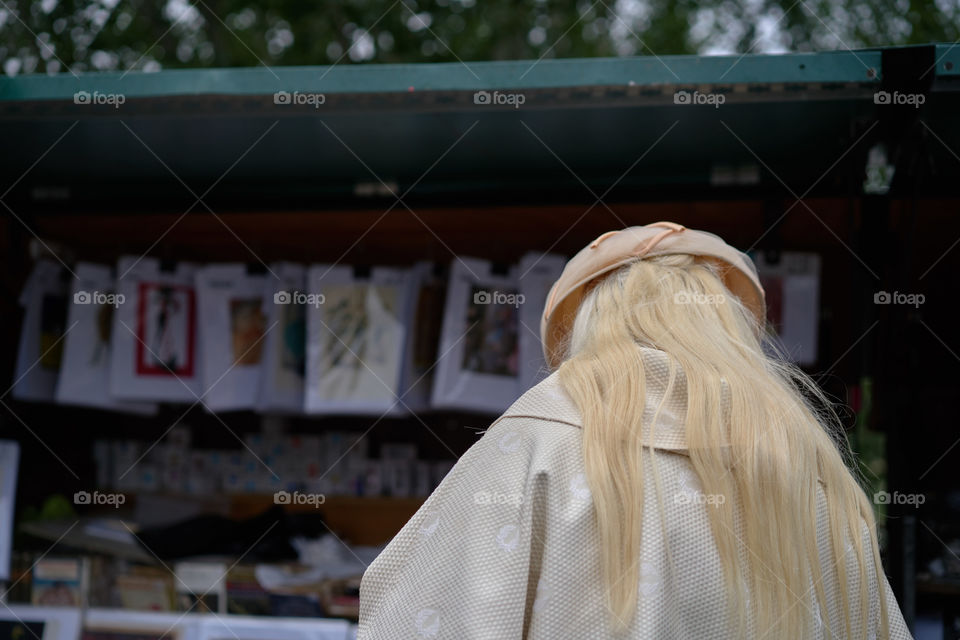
(546, 401)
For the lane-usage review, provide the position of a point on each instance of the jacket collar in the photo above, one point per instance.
(549, 401)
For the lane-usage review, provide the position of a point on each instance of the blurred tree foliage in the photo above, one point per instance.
(56, 36)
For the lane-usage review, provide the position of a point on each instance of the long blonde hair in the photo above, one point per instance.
(758, 430)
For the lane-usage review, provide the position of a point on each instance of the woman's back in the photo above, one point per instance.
(507, 546)
(671, 479)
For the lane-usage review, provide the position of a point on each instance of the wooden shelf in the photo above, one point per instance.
(367, 521)
(357, 520)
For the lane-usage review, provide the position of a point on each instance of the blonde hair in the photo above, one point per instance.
(758, 430)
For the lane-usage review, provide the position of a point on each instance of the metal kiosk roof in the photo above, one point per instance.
(657, 127)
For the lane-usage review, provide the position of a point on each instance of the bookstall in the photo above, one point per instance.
(251, 317)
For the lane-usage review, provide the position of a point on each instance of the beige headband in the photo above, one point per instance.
(617, 248)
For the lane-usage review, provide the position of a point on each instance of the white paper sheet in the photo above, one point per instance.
(792, 288)
(232, 330)
(154, 354)
(356, 339)
(423, 329)
(478, 360)
(284, 352)
(85, 366)
(44, 299)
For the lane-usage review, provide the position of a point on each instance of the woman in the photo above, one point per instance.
(668, 480)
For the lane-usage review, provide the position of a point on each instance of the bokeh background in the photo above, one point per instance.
(50, 36)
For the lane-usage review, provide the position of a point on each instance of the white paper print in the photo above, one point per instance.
(792, 288)
(231, 327)
(423, 324)
(355, 340)
(154, 353)
(478, 360)
(85, 367)
(44, 300)
(284, 351)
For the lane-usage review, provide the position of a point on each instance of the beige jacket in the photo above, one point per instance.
(507, 546)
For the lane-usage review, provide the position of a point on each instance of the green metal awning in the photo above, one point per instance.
(831, 67)
(645, 127)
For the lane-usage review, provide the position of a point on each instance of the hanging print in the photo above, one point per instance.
(165, 330)
(284, 346)
(155, 341)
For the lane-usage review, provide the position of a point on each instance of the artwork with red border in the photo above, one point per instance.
(173, 299)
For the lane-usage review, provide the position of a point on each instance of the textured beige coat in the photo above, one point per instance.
(507, 546)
